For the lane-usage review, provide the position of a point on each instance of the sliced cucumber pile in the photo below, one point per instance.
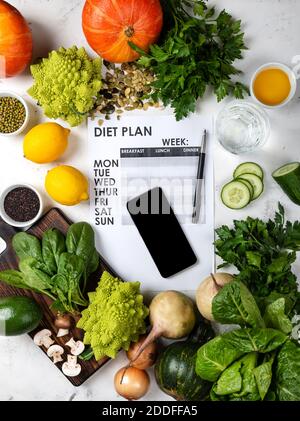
(256, 183)
(236, 195)
(248, 168)
(288, 178)
(246, 186)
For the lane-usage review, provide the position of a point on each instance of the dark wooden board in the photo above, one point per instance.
(8, 260)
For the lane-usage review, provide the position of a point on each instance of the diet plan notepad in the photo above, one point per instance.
(132, 155)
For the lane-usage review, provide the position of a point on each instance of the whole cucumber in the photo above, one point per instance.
(18, 315)
(288, 178)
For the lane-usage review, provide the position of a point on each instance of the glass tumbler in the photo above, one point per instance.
(242, 127)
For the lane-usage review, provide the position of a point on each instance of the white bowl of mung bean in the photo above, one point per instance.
(14, 113)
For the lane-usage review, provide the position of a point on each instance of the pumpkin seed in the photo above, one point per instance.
(124, 87)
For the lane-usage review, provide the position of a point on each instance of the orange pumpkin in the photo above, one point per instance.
(109, 24)
(15, 41)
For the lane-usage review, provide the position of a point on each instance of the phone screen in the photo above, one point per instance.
(162, 234)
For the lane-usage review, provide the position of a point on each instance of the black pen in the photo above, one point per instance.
(199, 181)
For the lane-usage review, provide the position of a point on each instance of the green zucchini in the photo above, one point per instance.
(248, 168)
(288, 178)
(236, 195)
(257, 184)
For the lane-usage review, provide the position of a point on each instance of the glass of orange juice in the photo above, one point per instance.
(273, 85)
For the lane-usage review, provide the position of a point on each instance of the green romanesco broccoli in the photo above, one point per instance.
(66, 84)
(114, 318)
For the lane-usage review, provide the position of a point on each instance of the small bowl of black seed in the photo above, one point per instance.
(20, 205)
(14, 114)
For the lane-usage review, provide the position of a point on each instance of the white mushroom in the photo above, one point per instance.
(55, 352)
(62, 332)
(43, 338)
(71, 368)
(77, 347)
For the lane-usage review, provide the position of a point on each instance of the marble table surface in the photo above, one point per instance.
(272, 34)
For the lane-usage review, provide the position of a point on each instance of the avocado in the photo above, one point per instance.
(18, 315)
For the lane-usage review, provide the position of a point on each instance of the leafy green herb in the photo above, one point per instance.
(241, 375)
(288, 372)
(234, 304)
(275, 316)
(219, 353)
(214, 357)
(263, 252)
(197, 51)
(259, 340)
(263, 375)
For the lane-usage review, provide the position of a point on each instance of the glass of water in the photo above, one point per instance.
(242, 127)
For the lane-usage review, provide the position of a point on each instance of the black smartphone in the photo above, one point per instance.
(162, 234)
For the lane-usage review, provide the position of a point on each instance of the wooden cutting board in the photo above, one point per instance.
(8, 260)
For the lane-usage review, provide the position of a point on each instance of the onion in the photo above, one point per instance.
(147, 358)
(208, 289)
(172, 316)
(132, 383)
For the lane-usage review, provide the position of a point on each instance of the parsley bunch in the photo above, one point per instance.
(263, 252)
(196, 51)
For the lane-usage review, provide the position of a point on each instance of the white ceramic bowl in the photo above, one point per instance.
(14, 95)
(11, 221)
(290, 74)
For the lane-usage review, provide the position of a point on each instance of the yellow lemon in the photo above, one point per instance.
(66, 185)
(45, 142)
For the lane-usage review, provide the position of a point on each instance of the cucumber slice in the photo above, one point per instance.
(235, 195)
(288, 178)
(248, 184)
(248, 168)
(257, 184)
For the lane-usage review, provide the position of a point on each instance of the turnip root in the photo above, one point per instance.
(208, 289)
(172, 316)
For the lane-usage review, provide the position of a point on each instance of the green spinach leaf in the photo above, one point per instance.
(219, 353)
(263, 375)
(13, 278)
(230, 380)
(33, 276)
(249, 390)
(26, 245)
(275, 316)
(53, 245)
(258, 340)
(287, 377)
(289, 299)
(237, 382)
(234, 304)
(93, 263)
(214, 357)
(81, 241)
(68, 279)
